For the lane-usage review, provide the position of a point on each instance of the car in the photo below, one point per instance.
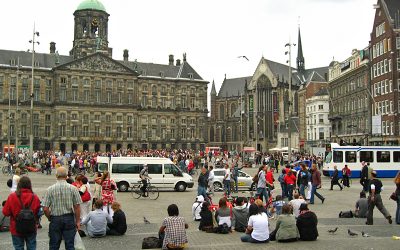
(244, 180)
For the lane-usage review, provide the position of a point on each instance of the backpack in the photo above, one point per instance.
(9, 183)
(255, 179)
(25, 222)
(281, 178)
(346, 214)
(151, 242)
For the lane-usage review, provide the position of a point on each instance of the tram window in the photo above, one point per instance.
(383, 156)
(366, 156)
(351, 156)
(396, 156)
(337, 156)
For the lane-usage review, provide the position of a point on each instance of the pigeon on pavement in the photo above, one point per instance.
(332, 231)
(364, 234)
(352, 233)
(145, 220)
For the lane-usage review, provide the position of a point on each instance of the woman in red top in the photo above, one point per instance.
(290, 180)
(13, 207)
(107, 192)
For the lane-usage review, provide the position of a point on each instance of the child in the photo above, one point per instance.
(277, 205)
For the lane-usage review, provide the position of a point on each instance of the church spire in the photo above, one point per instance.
(300, 57)
(213, 91)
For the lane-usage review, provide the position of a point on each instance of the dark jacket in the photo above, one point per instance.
(240, 215)
(335, 176)
(203, 179)
(206, 219)
(316, 177)
(307, 225)
(119, 222)
(364, 172)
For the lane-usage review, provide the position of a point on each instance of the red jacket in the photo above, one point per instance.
(12, 206)
(269, 177)
(290, 179)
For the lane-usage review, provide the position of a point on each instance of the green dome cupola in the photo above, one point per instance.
(91, 5)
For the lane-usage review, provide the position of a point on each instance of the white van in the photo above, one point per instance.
(125, 172)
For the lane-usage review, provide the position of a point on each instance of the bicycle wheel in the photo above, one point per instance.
(153, 193)
(136, 192)
(5, 170)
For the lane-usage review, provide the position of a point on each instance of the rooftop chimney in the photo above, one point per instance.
(52, 47)
(178, 62)
(171, 60)
(126, 55)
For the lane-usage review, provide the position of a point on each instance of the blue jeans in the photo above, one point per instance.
(236, 183)
(227, 187)
(284, 192)
(302, 193)
(289, 189)
(202, 191)
(62, 227)
(262, 192)
(19, 242)
(248, 238)
(314, 192)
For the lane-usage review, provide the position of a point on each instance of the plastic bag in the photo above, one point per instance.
(78, 243)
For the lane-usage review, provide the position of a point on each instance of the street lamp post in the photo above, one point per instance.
(35, 33)
(289, 53)
(16, 112)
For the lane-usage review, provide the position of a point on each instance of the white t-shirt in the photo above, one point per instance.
(211, 175)
(228, 172)
(196, 208)
(296, 206)
(259, 222)
(15, 181)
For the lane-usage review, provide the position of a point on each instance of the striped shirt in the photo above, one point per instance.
(61, 197)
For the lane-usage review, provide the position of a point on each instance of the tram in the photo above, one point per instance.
(385, 160)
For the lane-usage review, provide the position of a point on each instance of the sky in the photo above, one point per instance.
(213, 33)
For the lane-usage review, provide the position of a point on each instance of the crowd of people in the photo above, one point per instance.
(97, 211)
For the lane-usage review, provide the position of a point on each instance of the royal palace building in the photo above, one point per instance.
(88, 101)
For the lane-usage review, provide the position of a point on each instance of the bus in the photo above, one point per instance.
(385, 160)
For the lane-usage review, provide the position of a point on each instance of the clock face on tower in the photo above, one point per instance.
(263, 68)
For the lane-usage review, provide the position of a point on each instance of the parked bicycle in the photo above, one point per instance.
(150, 192)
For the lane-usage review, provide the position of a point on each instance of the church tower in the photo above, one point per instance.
(90, 29)
(300, 58)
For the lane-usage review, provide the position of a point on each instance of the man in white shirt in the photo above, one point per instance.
(295, 203)
(227, 180)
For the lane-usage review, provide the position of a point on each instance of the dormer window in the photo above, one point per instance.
(36, 64)
(12, 62)
(190, 75)
(161, 74)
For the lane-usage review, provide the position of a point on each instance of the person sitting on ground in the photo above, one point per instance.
(257, 228)
(260, 205)
(206, 222)
(361, 206)
(4, 220)
(223, 216)
(307, 224)
(296, 203)
(118, 225)
(240, 214)
(96, 221)
(196, 208)
(277, 205)
(286, 229)
(172, 231)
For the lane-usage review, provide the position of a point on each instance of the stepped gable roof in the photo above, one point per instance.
(233, 87)
(25, 59)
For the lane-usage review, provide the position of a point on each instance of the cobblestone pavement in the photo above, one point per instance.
(381, 232)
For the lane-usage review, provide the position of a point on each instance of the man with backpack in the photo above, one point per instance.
(23, 206)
